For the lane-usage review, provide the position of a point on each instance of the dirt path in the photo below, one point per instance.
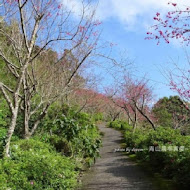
(114, 171)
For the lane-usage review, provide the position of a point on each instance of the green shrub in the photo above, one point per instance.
(76, 137)
(120, 125)
(115, 124)
(88, 143)
(182, 173)
(35, 165)
(172, 164)
(3, 123)
(98, 117)
(60, 144)
(64, 143)
(126, 126)
(82, 118)
(136, 139)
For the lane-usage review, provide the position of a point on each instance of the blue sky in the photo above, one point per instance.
(149, 58)
(125, 23)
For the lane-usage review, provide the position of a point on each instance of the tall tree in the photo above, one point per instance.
(135, 98)
(30, 28)
(171, 112)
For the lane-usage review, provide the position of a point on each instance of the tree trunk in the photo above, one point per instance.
(26, 107)
(134, 126)
(146, 117)
(29, 133)
(10, 133)
(26, 125)
(135, 121)
(115, 116)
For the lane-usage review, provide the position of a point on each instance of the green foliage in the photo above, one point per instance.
(69, 128)
(135, 140)
(82, 118)
(3, 133)
(3, 123)
(73, 134)
(35, 165)
(171, 112)
(120, 125)
(88, 143)
(172, 163)
(4, 113)
(5, 75)
(65, 143)
(98, 117)
(77, 138)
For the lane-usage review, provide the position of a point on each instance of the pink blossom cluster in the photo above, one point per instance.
(174, 25)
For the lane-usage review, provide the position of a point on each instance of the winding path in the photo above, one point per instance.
(113, 170)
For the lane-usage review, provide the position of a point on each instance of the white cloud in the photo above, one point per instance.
(78, 6)
(73, 5)
(133, 14)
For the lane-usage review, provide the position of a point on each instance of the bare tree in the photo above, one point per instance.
(28, 29)
(58, 79)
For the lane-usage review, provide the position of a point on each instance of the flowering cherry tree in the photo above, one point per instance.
(135, 97)
(89, 100)
(173, 25)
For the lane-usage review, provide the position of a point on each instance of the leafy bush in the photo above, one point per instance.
(171, 162)
(35, 165)
(75, 137)
(136, 139)
(64, 143)
(120, 125)
(82, 118)
(88, 143)
(98, 117)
